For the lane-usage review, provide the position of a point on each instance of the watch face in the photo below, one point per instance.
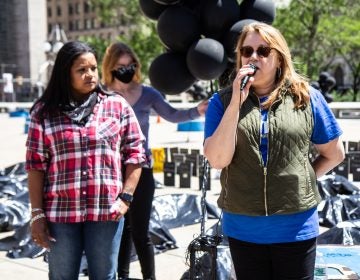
(127, 197)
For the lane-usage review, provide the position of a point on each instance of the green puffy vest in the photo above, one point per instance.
(288, 183)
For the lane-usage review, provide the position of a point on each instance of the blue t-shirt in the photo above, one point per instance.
(277, 228)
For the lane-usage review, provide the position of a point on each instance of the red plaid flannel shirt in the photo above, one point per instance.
(83, 164)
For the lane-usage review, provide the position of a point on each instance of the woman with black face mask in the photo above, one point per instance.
(121, 73)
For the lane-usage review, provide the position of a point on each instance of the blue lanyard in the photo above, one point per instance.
(264, 131)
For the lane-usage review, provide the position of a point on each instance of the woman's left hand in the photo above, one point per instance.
(119, 209)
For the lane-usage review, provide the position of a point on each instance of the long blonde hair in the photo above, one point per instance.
(288, 80)
(111, 57)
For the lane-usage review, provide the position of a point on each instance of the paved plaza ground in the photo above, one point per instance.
(169, 265)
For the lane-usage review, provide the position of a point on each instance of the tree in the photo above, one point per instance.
(140, 33)
(318, 31)
(346, 44)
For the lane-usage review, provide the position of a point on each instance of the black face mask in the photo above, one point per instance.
(124, 74)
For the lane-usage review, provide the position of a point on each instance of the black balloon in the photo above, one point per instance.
(231, 37)
(217, 16)
(194, 5)
(169, 74)
(178, 28)
(260, 10)
(151, 9)
(167, 2)
(201, 37)
(206, 59)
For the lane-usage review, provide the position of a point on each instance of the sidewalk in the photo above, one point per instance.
(170, 265)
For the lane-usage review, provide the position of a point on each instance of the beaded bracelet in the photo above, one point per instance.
(36, 210)
(37, 217)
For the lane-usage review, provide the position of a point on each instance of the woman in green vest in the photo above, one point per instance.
(259, 132)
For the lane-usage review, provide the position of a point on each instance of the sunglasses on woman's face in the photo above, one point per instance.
(261, 51)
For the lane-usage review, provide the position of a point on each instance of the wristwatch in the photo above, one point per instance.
(126, 197)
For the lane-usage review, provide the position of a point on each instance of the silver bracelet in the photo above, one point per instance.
(37, 217)
(33, 210)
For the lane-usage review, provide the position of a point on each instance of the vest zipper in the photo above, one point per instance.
(267, 160)
(265, 192)
(267, 156)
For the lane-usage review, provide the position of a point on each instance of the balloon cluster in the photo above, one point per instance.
(199, 37)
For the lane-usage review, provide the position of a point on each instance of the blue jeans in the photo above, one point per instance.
(99, 240)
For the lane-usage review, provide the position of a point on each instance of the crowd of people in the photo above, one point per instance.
(89, 162)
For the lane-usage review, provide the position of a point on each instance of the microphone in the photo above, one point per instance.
(245, 80)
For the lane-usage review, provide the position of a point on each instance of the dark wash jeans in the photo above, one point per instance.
(99, 240)
(278, 261)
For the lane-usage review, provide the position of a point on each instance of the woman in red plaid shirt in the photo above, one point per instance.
(79, 138)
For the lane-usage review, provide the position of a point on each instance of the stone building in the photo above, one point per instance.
(79, 18)
(27, 26)
(22, 33)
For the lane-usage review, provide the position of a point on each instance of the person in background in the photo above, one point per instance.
(260, 137)
(121, 72)
(78, 139)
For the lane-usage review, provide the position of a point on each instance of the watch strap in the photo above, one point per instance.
(126, 197)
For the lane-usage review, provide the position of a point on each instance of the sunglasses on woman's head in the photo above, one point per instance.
(261, 51)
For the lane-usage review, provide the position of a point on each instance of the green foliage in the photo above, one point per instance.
(140, 34)
(320, 31)
(109, 11)
(347, 97)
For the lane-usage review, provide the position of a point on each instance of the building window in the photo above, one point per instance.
(58, 11)
(71, 25)
(77, 8)
(87, 24)
(49, 12)
(86, 7)
(71, 9)
(77, 25)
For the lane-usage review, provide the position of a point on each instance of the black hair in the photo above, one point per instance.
(59, 90)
